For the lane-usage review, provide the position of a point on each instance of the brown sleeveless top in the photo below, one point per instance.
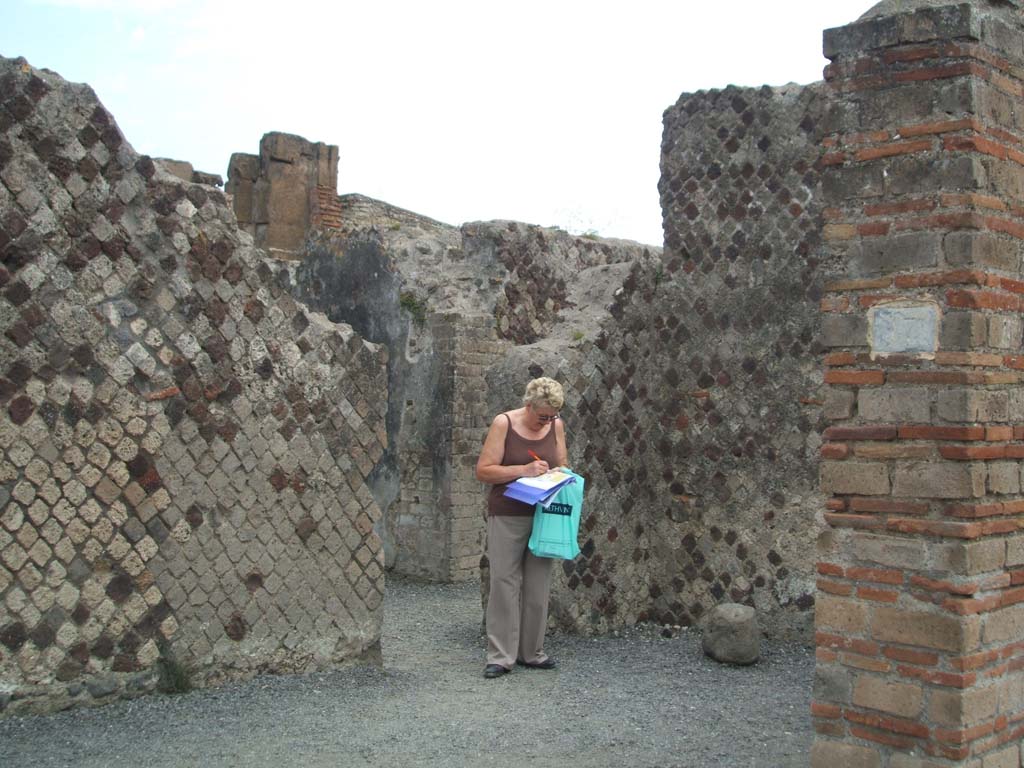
(517, 450)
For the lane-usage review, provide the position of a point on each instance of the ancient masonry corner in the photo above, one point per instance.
(920, 603)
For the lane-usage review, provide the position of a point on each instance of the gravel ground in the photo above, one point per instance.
(637, 699)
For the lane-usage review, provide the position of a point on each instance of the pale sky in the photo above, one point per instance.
(546, 112)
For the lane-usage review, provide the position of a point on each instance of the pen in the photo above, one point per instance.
(534, 455)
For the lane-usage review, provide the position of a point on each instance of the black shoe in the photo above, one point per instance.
(548, 663)
(494, 670)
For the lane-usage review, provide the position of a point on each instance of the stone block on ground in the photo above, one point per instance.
(731, 634)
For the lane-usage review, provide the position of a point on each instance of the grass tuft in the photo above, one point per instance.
(414, 306)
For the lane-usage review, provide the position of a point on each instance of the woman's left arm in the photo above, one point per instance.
(563, 451)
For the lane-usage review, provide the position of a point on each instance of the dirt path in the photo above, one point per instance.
(638, 700)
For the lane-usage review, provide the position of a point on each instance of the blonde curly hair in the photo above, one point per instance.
(544, 393)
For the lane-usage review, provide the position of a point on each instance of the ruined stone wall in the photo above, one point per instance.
(184, 449)
(354, 279)
(184, 171)
(431, 293)
(354, 212)
(540, 264)
(437, 515)
(694, 413)
(445, 301)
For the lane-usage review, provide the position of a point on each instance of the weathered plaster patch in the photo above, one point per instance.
(904, 327)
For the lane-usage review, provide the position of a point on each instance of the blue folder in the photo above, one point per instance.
(531, 494)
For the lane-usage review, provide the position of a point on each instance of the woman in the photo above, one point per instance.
(525, 442)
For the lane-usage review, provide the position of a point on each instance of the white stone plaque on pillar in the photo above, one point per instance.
(904, 328)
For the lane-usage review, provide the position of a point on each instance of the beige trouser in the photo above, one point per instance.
(517, 606)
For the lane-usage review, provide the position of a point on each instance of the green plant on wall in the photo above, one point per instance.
(174, 676)
(415, 306)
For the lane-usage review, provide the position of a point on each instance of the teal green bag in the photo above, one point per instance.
(556, 526)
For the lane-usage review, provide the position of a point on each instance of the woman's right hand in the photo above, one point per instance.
(536, 468)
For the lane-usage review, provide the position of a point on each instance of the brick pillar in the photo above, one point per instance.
(476, 349)
(920, 612)
(440, 525)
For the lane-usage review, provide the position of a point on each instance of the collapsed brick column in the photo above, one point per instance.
(919, 610)
(279, 193)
